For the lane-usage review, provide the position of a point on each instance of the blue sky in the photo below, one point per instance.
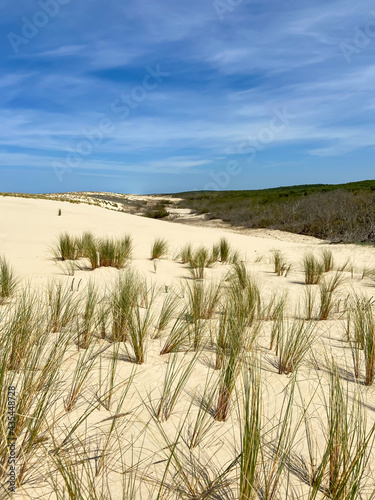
(155, 96)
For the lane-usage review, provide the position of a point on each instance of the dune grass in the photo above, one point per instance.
(340, 471)
(295, 341)
(101, 252)
(328, 288)
(67, 247)
(62, 306)
(239, 275)
(139, 333)
(203, 421)
(159, 249)
(225, 250)
(198, 261)
(175, 379)
(185, 253)
(114, 253)
(251, 434)
(280, 264)
(8, 280)
(237, 341)
(88, 321)
(179, 338)
(124, 298)
(309, 302)
(362, 322)
(276, 304)
(327, 260)
(313, 269)
(169, 309)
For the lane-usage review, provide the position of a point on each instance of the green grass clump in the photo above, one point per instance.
(114, 253)
(251, 435)
(198, 261)
(123, 300)
(275, 306)
(132, 316)
(239, 275)
(139, 327)
(159, 248)
(281, 265)
(88, 321)
(215, 253)
(363, 322)
(23, 328)
(89, 249)
(176, 377)
(67, 247)
(179, 338)
(235, 340)
(313, 269)
(327, 260)
(168, 311)
(8, 280)
(225, 250)
(186, 253)
(295, 341)
(62, 307)
(202, 299)
(101, 252)
(327, 290)
(309, 301)
(340, 471)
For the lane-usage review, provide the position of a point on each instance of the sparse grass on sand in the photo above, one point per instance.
(8, 280)
(100, 252)
(214, 386)
(159, 249)
(313, 268)
(281, 265)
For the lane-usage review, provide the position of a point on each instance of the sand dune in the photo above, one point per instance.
(137, 453)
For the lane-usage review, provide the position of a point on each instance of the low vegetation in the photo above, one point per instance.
(101, 252)
(281, 265)
(159, 249)
(8, 280)
(342, 212)
(214, 387)
(313, 269)
(157, 211)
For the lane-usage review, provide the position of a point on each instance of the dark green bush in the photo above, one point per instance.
(157, 212)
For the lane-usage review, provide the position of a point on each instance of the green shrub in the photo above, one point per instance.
(157, 212)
